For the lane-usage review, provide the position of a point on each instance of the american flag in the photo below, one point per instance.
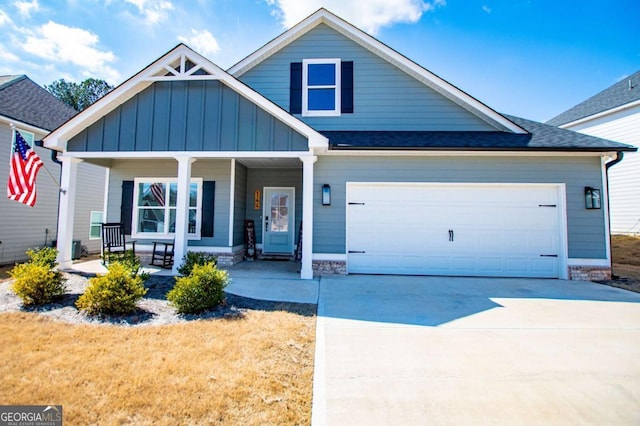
(23, 168)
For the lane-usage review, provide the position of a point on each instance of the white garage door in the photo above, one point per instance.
(454, 229)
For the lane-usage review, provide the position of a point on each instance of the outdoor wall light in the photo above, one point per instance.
(592, 198)
(326, 195)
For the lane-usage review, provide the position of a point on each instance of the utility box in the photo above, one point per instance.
(76, 250)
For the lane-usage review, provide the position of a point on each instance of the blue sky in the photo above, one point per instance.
(530, 58)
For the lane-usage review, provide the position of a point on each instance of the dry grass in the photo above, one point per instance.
(249, 371)
(625, 250)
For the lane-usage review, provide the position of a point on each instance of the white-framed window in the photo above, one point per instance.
(321, 87)
(95, 227)
(154, 207)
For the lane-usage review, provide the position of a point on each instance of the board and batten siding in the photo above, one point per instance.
(624, 177)
(209, 170)
(385, 97)
(188, 116)
(258, 179)
(586, 234)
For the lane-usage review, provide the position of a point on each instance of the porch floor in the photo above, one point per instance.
(271, 280)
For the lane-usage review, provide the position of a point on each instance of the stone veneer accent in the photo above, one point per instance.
(589, 273)
(329, 267)
(224, 259)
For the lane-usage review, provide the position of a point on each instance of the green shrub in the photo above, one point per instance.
(129, 260)
(203, 289)
(45, 256)
(36, 284)
(116, 292)
(193, 258)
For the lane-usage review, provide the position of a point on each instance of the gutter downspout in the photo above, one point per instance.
(54, 158)
(619, 157)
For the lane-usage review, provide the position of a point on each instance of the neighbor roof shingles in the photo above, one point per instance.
(623, 92)
(23, 100)
(541, 137)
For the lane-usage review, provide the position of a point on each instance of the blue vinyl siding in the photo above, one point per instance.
(385, 97)
(586, 233)
(188, 116)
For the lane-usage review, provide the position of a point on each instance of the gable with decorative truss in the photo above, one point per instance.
(184, 70)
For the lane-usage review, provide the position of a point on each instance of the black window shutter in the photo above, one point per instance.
(126, 205)
(208, 198)
(295, 88)
(346, 84)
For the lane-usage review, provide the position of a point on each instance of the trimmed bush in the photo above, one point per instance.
(193, 258)
(116, 292)
(45, 256)
(130, 261)
(202, 290)
(35, 282)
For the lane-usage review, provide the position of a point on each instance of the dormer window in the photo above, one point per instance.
(321, 87)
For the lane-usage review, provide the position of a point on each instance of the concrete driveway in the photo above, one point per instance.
(436, 350)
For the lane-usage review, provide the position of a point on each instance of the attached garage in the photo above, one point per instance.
(495, 230)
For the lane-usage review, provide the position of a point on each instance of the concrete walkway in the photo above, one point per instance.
(432, 350)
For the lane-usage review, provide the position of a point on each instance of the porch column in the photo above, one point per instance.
(182, 210)
(306, 272)
(66, 210)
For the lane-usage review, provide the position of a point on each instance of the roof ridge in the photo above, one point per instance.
(15, 78)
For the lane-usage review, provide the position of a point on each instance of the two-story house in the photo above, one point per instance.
(385, 167)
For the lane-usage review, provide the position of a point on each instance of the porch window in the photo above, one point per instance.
(154, 209)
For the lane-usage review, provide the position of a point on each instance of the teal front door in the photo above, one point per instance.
(279, 217)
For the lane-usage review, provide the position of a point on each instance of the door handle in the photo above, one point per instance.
(451, 234)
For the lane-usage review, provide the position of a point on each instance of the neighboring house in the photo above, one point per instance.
(34, 112)
(614, 114)
(386, 168)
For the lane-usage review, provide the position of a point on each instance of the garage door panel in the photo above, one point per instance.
(497, 230)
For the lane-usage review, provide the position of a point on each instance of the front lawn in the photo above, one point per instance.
(252, 370)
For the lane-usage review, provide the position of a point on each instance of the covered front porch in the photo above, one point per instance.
(202, 203)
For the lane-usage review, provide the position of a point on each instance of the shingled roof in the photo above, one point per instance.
(23, 100)
(623, 92)
(541, 137)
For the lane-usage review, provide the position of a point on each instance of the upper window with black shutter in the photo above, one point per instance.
(321, 87)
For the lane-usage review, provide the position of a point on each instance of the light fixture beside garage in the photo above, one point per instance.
(326, 195)
(592, 198)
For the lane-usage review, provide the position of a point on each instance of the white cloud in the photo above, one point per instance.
(202, 42)
(368, 15)
(4, 18)
(486, 8)
(26, 7)
(7, 56)
(153, 11)
(59, 43)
